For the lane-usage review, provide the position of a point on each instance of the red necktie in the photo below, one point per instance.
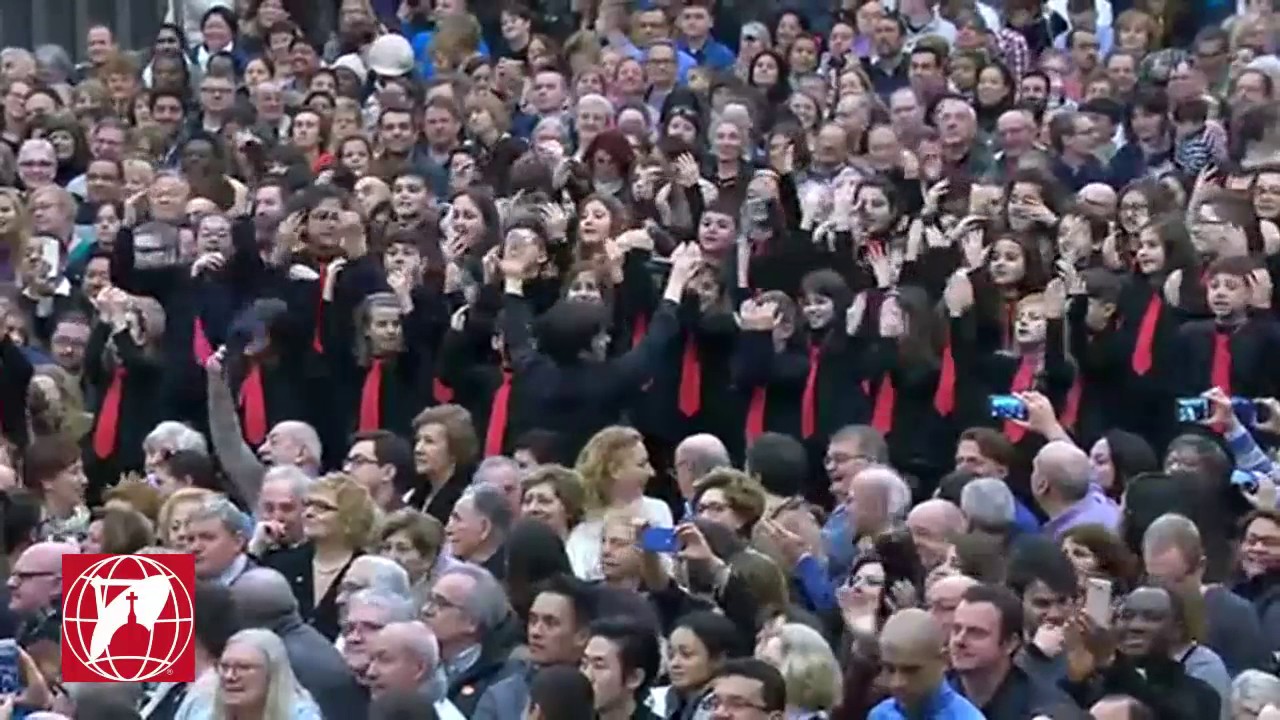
(442, 393)
(755, 413)
(1022, 381)
(200, 346)
(253, 404)
(809, 400)
(317, 342)
(690, 379)
(1220, 371)
(944, 398)
(497, 429)
(104, 436)
(371, 398)
(639, 328)
(1141, 361)
(882, 412)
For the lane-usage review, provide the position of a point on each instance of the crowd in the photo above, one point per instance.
(667, 359)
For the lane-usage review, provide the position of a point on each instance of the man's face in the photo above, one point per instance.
(695, 22)
(969, 458)
(1166, 566)
(650, 25)
(1042, 606)
(359, 627)
(910, 675)
(1016, 132)
(844, 459)
(1212, 58)
(102, 181)
(603, 668)
(441, 127)
(905, 110)
(281, 448)
(35, 582)
(214, 547)
(1034, 90)
(443, 611)
(1145, 623)
(548, 92)
(1084, 51)
(68, 344)
(107, 143)
(924, 70)
(955, 123)
(506, 480)
(391, 666)
(99, 45)
(660, 66)
(363, 467)
(619, 557)
(976, 641)
(887, 38)
(217, 94)
(278, 506)
(167, 113)
(396, 132)
(552, 632)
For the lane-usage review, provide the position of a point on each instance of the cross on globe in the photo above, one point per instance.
(128, 618)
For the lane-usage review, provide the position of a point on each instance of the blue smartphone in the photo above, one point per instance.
(1007, 407)
(10, 669)
(659, 540)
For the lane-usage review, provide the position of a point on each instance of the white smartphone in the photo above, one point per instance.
(1097, 600)
(51, 254)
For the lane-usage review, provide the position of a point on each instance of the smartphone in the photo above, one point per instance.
(1193, 410)
(1244, 480)
(1007, 407)
(51, 254)
(1097, 600)
(10, 667)
(659, 540)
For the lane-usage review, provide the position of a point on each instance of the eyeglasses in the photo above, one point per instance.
(234, 668)
(359, 461)
(440, 602)
(713, 702)
(323, 505)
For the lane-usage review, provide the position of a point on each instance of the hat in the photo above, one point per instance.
(352, 62)
(391, 56)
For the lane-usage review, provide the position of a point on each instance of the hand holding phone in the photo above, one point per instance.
(1097, 601)
(1007, 407)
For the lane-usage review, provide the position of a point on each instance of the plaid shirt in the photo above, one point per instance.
(1012, 49)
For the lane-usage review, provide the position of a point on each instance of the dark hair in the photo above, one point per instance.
(391, 449)
(1114, 559)
(637, 647)
(1038, 558)
(716, 632)
(1131, 455)
(535, 555)
(217, 620)
(542, 444)
(773, 686)
(1008, 605)
(563, 693)
(22, 516)
(46, 457)
(193, 465)
(780, 462)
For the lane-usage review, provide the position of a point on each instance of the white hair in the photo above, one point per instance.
(395, 608)
(35, 145)
(988, 503)
(1256, 688)
(897, 494)
(561, 130)
(224, 511)
(174, 436)
(284, 692)
(599, 101)
(809, 667)
(415, 637)
(387, 575)
(493, 464)
(304, 435)
(298, 479)
(486, 605)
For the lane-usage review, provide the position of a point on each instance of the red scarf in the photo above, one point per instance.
(1220, 370)
(105, 435)
(442, 393)
(371, 398)
(690, 393)
(1023, 380)
(882, 410)
(497, 430)
(200, 347)
(944, 398)
(317, 341)
(1142, 357)
(253, 406)
(809, 400)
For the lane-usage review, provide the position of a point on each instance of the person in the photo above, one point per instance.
(219, 535)
(406, 656)
(559, 692)
(750, 685)
(253, 679)
(264, 599)
(1060, 483)
(912, 655)
(621, 660)
(467, 610)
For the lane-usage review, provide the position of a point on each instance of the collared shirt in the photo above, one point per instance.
(713, 53)
(946, 704)
(1095, 508)
(234, 570)
(462, 662)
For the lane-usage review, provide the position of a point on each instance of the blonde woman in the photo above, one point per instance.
(15, 233)
(615, 468)
(809, 667)
(171, 525)
(337, 519)
(251, 681)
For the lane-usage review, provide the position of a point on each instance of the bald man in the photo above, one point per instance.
(696, 456)
(933, 523)
(35, 580)
(913, 662)
(1061, 482)
(1098, 201)
(405, 657)
(942, 596)
(264, 599)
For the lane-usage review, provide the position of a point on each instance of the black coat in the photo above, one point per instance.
(295, 565)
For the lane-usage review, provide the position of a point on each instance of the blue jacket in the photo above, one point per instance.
(422, 41)
(505, 699)
(946, 704)
(713, 54)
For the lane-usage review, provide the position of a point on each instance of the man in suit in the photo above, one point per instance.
(219, 539)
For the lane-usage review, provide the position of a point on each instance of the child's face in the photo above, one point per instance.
(1007, 263)
(818, 310)
(1029, 326)
(1098, 314)
(1228, 295)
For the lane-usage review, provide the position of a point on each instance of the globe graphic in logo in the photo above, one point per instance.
(127, 618)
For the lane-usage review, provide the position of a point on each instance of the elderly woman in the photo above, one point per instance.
(171, 524)
(555, 496)
(253, 680)
(338, 518)
(808, 666)
(414, 540)
(444, 449)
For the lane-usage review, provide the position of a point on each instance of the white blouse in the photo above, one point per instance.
(583, 545)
